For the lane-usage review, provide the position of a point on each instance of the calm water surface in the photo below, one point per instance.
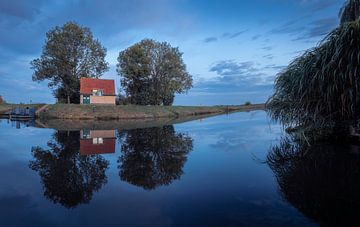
(230, 170)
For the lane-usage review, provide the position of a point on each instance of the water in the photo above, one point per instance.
(219, 171)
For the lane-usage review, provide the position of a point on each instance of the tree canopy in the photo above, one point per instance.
(70, 52)
(318, 91)
(152, 72)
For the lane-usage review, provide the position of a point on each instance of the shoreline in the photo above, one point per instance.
(133, 112)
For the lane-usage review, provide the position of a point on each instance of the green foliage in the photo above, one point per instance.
(319, 90)
(247, 103)
(152, 72)
(70, 52)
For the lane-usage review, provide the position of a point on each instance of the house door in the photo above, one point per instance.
(86, 99)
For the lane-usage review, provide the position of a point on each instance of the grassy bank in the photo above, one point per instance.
(105, 112)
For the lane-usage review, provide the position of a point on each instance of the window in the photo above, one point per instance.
(98, 140)
(97, 92)
(86, 134)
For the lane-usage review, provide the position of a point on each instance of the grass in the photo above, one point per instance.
(75, 111)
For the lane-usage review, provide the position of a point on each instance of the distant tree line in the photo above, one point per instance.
(151, 72)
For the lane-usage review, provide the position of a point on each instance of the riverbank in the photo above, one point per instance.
(109, 112)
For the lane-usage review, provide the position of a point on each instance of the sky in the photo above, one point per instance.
(233, 48)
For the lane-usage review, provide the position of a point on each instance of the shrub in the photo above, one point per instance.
(247, 103)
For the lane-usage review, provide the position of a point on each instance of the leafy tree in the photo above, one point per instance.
(68, 178)
(152, 72)
(322, 181)
(70, 52)
(152, 157)
(318, 92)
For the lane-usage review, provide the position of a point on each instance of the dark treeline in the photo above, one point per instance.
(151, 72)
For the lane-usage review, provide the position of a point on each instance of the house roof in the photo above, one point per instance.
(88, 84)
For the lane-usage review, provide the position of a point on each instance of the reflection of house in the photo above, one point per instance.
(97, 91)
(97, 142)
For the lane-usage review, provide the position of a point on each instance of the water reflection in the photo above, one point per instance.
(97, 141)
(72, 169)
(153, 157)
(322, 181)
(68, 178)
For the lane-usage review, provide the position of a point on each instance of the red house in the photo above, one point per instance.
(97, 91)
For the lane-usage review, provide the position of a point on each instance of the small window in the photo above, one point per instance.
(97, 92)
(86, 134)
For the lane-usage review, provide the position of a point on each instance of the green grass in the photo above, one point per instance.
(76, 111)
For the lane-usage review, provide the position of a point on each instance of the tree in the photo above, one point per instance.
(67, 177)
(152, 157)
(318, 92)
(70, 52)
(1, 100)
(152, 72)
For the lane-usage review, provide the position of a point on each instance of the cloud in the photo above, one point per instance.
(210, 39)
(255, 37)
(21, 9)
(268, 56)
(313, 29)
(267, 48)
(230, 67)
(233, 35)
(23, 24)
(319, 28)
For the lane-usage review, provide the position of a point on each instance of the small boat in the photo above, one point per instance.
(22, 113)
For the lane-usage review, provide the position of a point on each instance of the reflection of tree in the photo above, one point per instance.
(68, 178)
(322, 181)
(153, 157)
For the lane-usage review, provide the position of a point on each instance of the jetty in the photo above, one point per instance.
(20, 113)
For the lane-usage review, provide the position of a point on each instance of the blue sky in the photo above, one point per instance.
(233, 48)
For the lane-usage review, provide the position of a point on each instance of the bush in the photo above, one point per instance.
(247, 103)
(122, 100)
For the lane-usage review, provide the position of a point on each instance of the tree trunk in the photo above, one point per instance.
(68, 99)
